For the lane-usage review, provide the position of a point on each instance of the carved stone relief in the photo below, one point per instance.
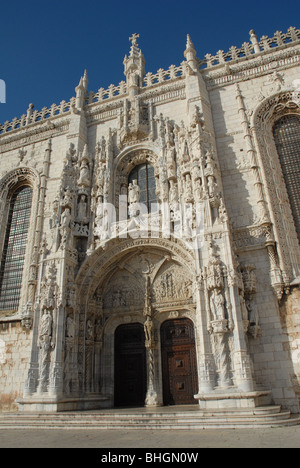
(171, 285)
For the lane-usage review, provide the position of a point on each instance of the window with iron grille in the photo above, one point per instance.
(145, 177)
(287, 138)
(13, 255)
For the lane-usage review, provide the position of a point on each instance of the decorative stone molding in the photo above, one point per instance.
(263, 119)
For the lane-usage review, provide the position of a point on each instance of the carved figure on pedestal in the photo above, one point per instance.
(188, 190)
(70, 327)
(46, 327)
(149, 331)
(89, 333)
(82, 209)
(66, 219)
(84, 179)
(249, 283)
(198, 191)
(217, 304)
(85, 173)
(134, 195)
(67, 199)
(45, 344)
(65, 228)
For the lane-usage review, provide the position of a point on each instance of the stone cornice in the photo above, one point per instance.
(32, 134)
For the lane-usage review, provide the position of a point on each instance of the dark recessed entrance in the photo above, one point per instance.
(130, 365)
(179, 365)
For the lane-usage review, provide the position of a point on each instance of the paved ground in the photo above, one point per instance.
(285, 437)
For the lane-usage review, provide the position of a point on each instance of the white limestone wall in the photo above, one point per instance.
(15, 345)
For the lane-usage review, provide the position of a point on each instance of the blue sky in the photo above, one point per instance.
(46, 45)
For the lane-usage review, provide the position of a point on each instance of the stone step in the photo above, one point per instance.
(112, 415)
(213, 424)
(145, 412)
(189, 420)
(73, 419)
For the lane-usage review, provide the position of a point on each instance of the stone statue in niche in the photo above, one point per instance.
(198, 190)
(250, 285)
(71, 157)
(244, 310)
(212, 186)
(101, 177)
(67, 199)
(173, 194)
(89, 332)
(54, 220)
(188, 190)
(102, 149)
(102, 221)
(84, 179)
(134, 193)
(65, 228)
(82, 209)
(171, 164)
(222, 212)
(70, 327)
(217, 304)
(85, 176)
(46, 328)
(45, 344)
(149, 331)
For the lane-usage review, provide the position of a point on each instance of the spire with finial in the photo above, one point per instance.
(134, 51)
(134, 66)
(81, 91)
(254, 40)
(190, 53)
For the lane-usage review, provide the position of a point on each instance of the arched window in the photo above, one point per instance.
(145, 177)
(286, 133)
(14, 248)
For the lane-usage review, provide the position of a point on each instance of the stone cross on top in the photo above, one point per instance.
(134, 39)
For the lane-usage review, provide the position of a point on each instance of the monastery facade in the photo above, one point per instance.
(150, 237)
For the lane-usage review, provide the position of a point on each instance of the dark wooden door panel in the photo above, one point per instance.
(180, 380)
(130, 366)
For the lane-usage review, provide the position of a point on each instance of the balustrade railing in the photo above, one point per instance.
(248, 50)
(34, 116)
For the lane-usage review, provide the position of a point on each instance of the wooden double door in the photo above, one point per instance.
(179, 365)
(130, 366)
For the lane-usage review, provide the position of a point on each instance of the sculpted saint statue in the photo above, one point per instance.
(70, 328)
(134, 193)
(217, 303)
(46, 325)
(82, 208)
(84, 179)
(149, 329)
(66, 218)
